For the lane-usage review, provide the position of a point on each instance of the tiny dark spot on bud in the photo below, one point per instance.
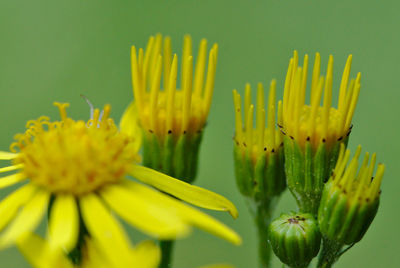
(273, 151)
(184, 132)
(265, 148)
(344, 191)
(380, 191)
(293, 221)
(292, 137)
(244, 144)
(348, 133)
(297, 216)
(169, 131)
(280, 145)
(237, 143)
(340, 138)
(323, 140)
(255, 183)
(351, 127)
(199, 131)
(279, 125)
(303, 219)
(151, 131)
(372, 178)
(283, 132)
(367, 199)
(308, 138)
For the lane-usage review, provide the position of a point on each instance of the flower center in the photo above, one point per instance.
(71, 156)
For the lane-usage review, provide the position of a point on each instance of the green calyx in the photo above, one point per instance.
(260, 178)
(342, 218)
(176, 156)
(307, 169)
(295, 238)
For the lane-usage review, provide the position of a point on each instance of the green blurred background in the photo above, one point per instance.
(57, 50)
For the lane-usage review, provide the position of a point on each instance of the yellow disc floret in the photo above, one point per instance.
(75, 157)
(314, 123)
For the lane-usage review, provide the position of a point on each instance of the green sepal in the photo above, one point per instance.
(168, 154)
(307, 169)
(179, 158)
(194, 155)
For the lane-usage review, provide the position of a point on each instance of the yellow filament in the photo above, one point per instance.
(314, 107)
(353, 103)
(154, 94)
(247, 101)
(295, 103)
(154, 57)
(260, 115)
(376, 182)
(271, 115)
(208, 91)
(136, 80)
(200, 68)
(287, 86)
(140, 62)
(249, 127)
(327, 98)
(146, 62)
(167, 55)
(186, 53)
(315, 76)
(304, 80)
(238, 116)
(344, 83)
(171, 93)
(280, 111)
(187, 93)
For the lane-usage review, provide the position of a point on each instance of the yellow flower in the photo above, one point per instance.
(172, 119)
(172, 111)
(40, 254)
(258, 150)
(80, 168)
(314, 123)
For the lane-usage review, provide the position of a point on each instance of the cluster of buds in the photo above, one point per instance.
(335, 202)
(172, 120)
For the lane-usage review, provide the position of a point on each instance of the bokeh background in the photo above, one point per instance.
(57, 50)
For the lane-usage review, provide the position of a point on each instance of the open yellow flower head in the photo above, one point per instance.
(171, 117)
(78, 170)
(259, 149)
(314, 122)
(351, 197)
(40, 254)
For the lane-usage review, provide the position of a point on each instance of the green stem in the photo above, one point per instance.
(262, 213)
(166, 253)
(330, 253)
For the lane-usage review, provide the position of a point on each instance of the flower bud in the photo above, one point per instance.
(295, 238)
(258, 151)
(313, 133)
(172, 118)
(350, 200)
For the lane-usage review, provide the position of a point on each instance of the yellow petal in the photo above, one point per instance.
(10, 205)
(11, 180)
(190, 215)
(27, 219)
(146, 255)
(129, 126)
(184, 191)
(10, 168)
(37, 253)
(64, 223)
(7, 155)
(146, 214)
(104, 228)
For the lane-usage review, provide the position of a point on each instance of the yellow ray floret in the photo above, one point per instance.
(358, 181)
(83, 167)
(315, 122)
(175, 109)
(260, 138)
(40, 254)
